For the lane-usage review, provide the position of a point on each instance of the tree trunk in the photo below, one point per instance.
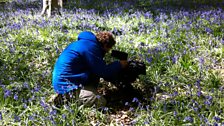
(52, 5)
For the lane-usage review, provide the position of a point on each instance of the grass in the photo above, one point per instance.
(182, 47)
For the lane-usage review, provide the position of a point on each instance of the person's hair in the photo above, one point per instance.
(106, 38)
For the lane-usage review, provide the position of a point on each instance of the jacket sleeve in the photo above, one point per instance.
(99, 67)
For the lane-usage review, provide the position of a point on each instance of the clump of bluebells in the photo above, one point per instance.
(182, 47)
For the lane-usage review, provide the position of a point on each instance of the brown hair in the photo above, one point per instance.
(106, 38)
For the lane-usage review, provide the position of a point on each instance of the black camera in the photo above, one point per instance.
(119, 55)
(125, 91)
(130, 73)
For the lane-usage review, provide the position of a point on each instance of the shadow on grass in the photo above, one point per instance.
(117, 6)
(127, 96)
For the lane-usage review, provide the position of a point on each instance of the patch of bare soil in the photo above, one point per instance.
(121, 101)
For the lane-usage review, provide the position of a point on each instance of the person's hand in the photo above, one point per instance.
(124, 63)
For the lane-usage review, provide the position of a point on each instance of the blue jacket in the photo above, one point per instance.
(79, 61)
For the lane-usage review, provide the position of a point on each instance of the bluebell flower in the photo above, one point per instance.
(149, 51)
(195, 109)
(12, 50)
(175, 113)
(148, 15)
(220, 111)
(16, 118)
(32, 98)
(197, 83)
(164, 107)
(1, 117)
(147, 107)
(52, 120)
(193, 49)
(53, 112)
(126, 103)
(16, 97)
(199, 93)
(149, 60)
(215, 124)
(135, 99)
(201, 60)
(208, 30)
(7, 93)
(142, 44)
(63, 116)
(200, 116)
(73, 122)
(98, 96)
(209, 98)
(207, 102)
(31, 117)
(146, 122)
(105, 108)
(37, 89)
(140, 105)
(131, 109)
(174, 59)
(26, 85)
(205, 120)
(133, 122)
(157, 19)
(43, 104)
(216, 118)
(69, 109)
(188, 118)
(175, 93)
(152, 99)
(222, 41)
(212, 90)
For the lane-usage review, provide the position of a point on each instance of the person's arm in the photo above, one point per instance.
(99, 67)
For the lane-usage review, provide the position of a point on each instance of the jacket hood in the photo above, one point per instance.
(87, 36)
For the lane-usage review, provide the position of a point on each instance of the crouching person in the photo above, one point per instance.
(79, 67)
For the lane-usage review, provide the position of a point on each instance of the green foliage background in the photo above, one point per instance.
(182, 47)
